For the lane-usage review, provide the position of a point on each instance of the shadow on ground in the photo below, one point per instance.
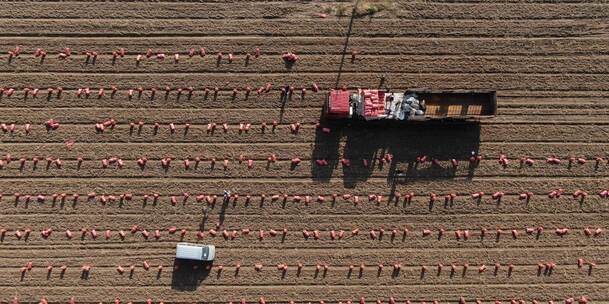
(372, 141)
(188, 275)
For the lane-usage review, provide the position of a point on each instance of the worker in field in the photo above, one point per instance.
(226, 196)
(422, 106)
(413, 106)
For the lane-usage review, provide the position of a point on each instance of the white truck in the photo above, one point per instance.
(196, 252)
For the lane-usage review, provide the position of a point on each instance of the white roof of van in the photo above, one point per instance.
(191, 251)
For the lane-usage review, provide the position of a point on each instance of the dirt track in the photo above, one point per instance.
(547, 61)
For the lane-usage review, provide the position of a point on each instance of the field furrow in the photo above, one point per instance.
(338, 198)
(306, 27)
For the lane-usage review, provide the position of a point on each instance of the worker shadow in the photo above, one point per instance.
(223, 207)
(348, 34)
(206, 214)
(357, 151)
(288, 64)
(188, 275)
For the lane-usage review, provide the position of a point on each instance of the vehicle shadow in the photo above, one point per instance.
(188, 275)
(375, 143)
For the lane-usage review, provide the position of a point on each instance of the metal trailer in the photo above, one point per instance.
(413, 105)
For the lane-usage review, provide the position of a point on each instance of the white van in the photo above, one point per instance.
(197, 252)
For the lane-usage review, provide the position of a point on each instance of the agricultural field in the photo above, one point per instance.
(123, 123)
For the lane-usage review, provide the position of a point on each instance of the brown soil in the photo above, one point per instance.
(547, 61)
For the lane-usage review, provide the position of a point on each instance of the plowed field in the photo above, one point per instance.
(175, 128)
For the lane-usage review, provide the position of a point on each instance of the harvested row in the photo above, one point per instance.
(418, 205)
(292, 112)
(127, 81)
(296, 186)
(87, 133)
(128, 254)
(407, 274)
(165, 116)
(332, 45)
(310, 63)
(179, 117)
(307, 133)
(588, 102)
(490, 151)
(335, 275)
(575, 223)
(226, 166)
(410, 273)
(297, 241)
(224, 99)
